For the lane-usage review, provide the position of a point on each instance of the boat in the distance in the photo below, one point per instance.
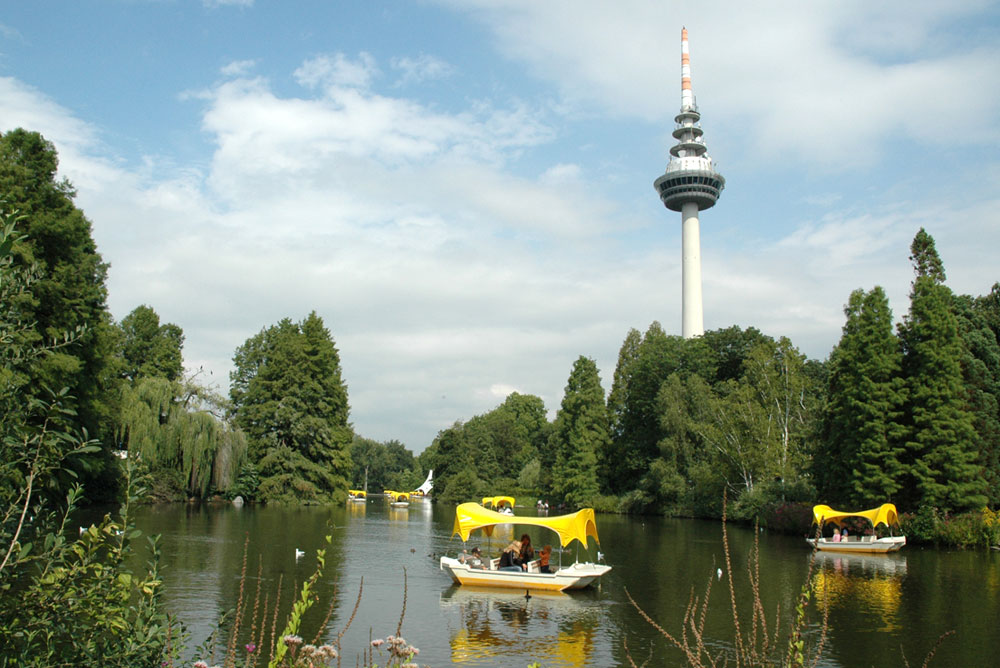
(577, 526)
(356, 496)
(883, 515)
(398, 499)
(501, 504)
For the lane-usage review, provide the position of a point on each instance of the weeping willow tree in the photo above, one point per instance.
(177, 430)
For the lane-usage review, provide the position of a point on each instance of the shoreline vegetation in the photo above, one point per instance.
(97, 411)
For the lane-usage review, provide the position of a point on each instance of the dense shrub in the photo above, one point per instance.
(978, 528)
(791, 518)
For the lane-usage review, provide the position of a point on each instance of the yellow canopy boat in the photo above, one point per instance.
(501, 504)
(577, 526)
(885, 514)
(356, 495)
(398, 499)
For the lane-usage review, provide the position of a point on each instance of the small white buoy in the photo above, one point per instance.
(718, 573)
(82, 529)
(299, 554)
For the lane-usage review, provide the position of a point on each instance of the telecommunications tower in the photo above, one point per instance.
(691, 183)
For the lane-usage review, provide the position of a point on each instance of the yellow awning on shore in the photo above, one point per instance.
(885, 514)
(577, 526)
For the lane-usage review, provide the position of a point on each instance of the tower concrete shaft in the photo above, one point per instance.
(690, 184)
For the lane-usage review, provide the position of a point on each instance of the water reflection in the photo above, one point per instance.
(553, 628)
(872, 583)
(915, 596)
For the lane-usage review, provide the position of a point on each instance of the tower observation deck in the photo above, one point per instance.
(690, 184)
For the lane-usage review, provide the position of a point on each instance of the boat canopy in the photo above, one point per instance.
(577, 526)
(498, 501)
(357, 493)
(885, 514)
(399, 496)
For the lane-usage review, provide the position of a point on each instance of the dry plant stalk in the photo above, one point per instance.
(399, 629)
(755, 646)
(357, 604)
(230, 661)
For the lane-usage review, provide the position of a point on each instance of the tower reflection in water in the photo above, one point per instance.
(553, 628)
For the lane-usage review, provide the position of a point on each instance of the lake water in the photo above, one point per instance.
(879, 607)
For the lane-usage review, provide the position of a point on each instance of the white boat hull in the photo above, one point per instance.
(576, 576)
(866, 544)
(400, 504)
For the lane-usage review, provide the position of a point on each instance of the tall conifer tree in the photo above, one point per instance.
(68, 297)
(981, 373)
(580, 432)
(610, 461)
(940, 442)
(858, 461)
(291, 401)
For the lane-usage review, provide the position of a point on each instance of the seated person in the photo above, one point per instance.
(843, 538)
(474, 560)
(836, 536)
(543, 559)
(527, 552)
(510, 560)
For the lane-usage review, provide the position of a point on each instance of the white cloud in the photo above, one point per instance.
(238, 68)
(450, 271)
(783, 73)
(421, 68)
(334, 71)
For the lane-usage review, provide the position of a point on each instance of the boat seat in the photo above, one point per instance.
(494, 564)
(534, 567)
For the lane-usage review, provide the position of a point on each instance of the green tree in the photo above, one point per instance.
(449, 454)
(637, 434)
(62, 602)
(68, 296)
(924, 256)
(149, 349)
(733, 425)
(940, 441)
(181, 436)
(608, 459)
(981, 375)
(858, 461)
(495, 446)
(579, 433)
(383, 464)
(776, 370)
(730, 348)
(291, 402)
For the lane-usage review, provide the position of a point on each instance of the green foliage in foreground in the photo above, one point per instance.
(78, 602)
(62, 602)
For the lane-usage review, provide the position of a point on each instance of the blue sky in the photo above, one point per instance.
(463, 189)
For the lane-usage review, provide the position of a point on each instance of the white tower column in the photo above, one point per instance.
(691, 183)
(692, 319)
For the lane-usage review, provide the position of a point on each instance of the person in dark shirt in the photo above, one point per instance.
(510, 560)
